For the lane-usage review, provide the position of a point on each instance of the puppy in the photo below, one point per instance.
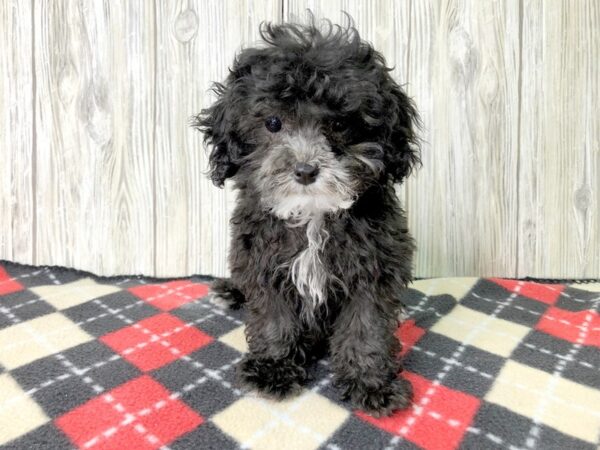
(314, 133)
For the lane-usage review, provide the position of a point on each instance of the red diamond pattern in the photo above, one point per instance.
(139, 414)
(438, 420)
(408, 333)
(7, 284)
(170, 295)
(546, 293)
(156, 341)
(581, 327)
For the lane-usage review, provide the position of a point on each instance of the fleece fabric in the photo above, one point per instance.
(134, 362)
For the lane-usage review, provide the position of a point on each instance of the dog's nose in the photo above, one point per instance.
(305, 173)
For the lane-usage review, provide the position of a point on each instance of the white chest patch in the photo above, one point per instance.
(307, 270)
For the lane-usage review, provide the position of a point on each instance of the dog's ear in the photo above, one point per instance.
(217, 122)
(402, 154)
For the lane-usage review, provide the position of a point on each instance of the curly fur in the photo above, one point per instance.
(319, 265)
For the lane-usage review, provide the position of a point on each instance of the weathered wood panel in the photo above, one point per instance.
(99, 169)
(464, 76)
(559, 170)
(16, 131)
(94, 127)
(196, 44)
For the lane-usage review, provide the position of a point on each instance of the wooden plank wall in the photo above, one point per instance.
(17, 158)
(100, 171)
(559, 160)
(95, 153)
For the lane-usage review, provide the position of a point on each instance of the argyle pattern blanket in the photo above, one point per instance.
(138, 363)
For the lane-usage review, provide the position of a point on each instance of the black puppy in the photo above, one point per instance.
(315, 132)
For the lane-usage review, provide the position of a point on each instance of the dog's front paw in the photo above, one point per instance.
(225, 295)
(274, 378)
(383, 401)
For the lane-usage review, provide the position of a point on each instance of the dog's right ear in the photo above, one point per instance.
(217, 122)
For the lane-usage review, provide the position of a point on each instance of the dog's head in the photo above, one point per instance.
(309, 121)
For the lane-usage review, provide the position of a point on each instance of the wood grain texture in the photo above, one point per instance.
(95, 116)
(196, 44)
(99, 169)
(464, 77)
(559, 190)
(16, 131)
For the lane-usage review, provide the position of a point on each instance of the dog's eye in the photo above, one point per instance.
(273, 124)
(337, 125)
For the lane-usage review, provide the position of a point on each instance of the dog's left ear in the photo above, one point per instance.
(217, 122)
(402, 153)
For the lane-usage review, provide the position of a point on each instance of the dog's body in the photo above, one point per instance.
(314, 133)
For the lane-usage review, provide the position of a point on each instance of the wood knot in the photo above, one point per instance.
(186, 26)
(489, 85)
(463, 55)
(583, 198)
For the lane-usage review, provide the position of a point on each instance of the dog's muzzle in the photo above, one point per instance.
(305, 173)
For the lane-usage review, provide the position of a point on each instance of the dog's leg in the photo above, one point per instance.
(225, 294)
(274, 364)
(364, 355)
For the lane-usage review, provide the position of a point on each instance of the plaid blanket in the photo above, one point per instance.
(132, 362)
